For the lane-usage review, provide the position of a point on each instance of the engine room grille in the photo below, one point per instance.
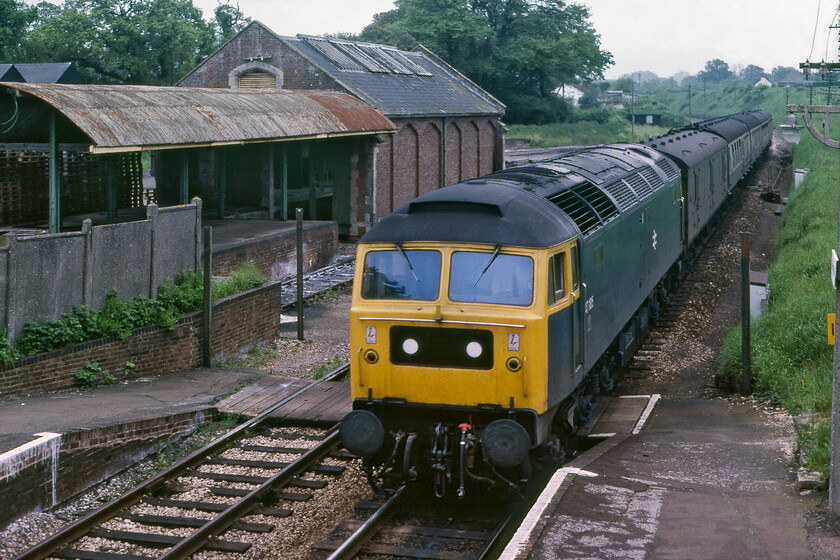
(653, 178)
(622, 194)
(639, 185)
(587, 206)
(670, 169)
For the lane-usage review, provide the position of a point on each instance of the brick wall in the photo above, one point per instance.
(86, 457)
(275, 256)
(239, 322)
(408, 164)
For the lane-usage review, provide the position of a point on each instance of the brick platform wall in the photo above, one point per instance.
(86, 457)
(239, 322)
(275, 256)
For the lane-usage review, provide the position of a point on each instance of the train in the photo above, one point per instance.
(488, 316)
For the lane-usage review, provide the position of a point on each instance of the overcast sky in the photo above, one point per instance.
(662, 36)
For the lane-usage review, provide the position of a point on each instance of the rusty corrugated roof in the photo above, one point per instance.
(121, 118)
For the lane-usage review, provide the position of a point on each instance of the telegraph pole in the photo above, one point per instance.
(825, 138)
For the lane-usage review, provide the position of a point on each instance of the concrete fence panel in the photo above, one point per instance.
(108, 267)
(43, 276)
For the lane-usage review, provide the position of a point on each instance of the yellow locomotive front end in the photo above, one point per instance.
(449, 360)
(449, 338)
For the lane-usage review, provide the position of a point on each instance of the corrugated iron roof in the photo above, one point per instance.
(123, 118)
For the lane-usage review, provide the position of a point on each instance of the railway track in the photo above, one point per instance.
(251, 470)
(407, 526)
(319, 281)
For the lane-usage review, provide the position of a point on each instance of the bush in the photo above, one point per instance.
(119, 317)
(87, 377)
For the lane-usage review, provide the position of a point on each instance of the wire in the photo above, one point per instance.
(13, 119)
(816, 22)
(830, 27)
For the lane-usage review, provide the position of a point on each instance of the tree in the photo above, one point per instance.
(752, 73)
(229, 20)
(124, 41)
(623, 84)
(588, 101)
(15, 18)
(716, 71)
(519, 50)
(780, 72)
(385, 31)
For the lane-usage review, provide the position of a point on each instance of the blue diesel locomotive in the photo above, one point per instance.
(487, 316)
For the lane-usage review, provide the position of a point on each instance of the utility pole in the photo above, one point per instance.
(825, 138)
(632, 107)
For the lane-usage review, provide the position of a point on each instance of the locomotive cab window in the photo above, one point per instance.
(401, 274)
(491, 278)
(556, 278)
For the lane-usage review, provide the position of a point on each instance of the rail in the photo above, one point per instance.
(184, 547)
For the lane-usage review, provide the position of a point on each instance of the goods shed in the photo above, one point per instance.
(75, 149)
(448, 129)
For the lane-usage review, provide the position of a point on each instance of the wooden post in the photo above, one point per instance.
(206, 321)
(299, 239)
(54, 177)
(746, 362)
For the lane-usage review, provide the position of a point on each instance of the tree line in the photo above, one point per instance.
(518, 50)
(153, 42)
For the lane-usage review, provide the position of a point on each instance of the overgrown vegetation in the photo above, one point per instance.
(118, 317)
(601, 127)
(92, 375)
(325, 368)
(791, 361)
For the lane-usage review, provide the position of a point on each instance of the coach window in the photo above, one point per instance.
(556, 278)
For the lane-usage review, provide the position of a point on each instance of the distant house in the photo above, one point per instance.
(570, 92)
(448, 128)
(763, 82)
(49, 73)
(792, 79)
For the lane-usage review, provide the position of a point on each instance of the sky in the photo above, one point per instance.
(660, 36)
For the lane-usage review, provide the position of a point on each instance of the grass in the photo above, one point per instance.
(791, 360)
(583, 133)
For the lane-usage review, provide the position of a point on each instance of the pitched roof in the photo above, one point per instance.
(8, 73)
(395, 82)
(49, 73)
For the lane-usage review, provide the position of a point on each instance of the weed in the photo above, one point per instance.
(325, 368)
(87, 377)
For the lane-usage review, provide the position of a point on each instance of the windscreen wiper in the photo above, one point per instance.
(492, 259)
(408, 262)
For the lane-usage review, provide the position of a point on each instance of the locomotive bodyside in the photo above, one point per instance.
(486, 314)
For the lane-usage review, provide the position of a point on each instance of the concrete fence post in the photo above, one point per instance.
(11, 281)
(196, 202)
(152, 213)
(87, 262)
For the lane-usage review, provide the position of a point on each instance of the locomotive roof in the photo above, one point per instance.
(537, 205)
(688, 147)
(478, 211)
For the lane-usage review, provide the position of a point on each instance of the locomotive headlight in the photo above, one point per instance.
(410, 346)
(474, 349)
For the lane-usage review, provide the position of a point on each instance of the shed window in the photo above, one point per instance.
(258, 79)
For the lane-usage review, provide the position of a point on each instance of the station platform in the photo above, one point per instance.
(698, 478)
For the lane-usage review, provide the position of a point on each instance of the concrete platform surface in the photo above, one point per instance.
(60, 412)
(704, 479)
